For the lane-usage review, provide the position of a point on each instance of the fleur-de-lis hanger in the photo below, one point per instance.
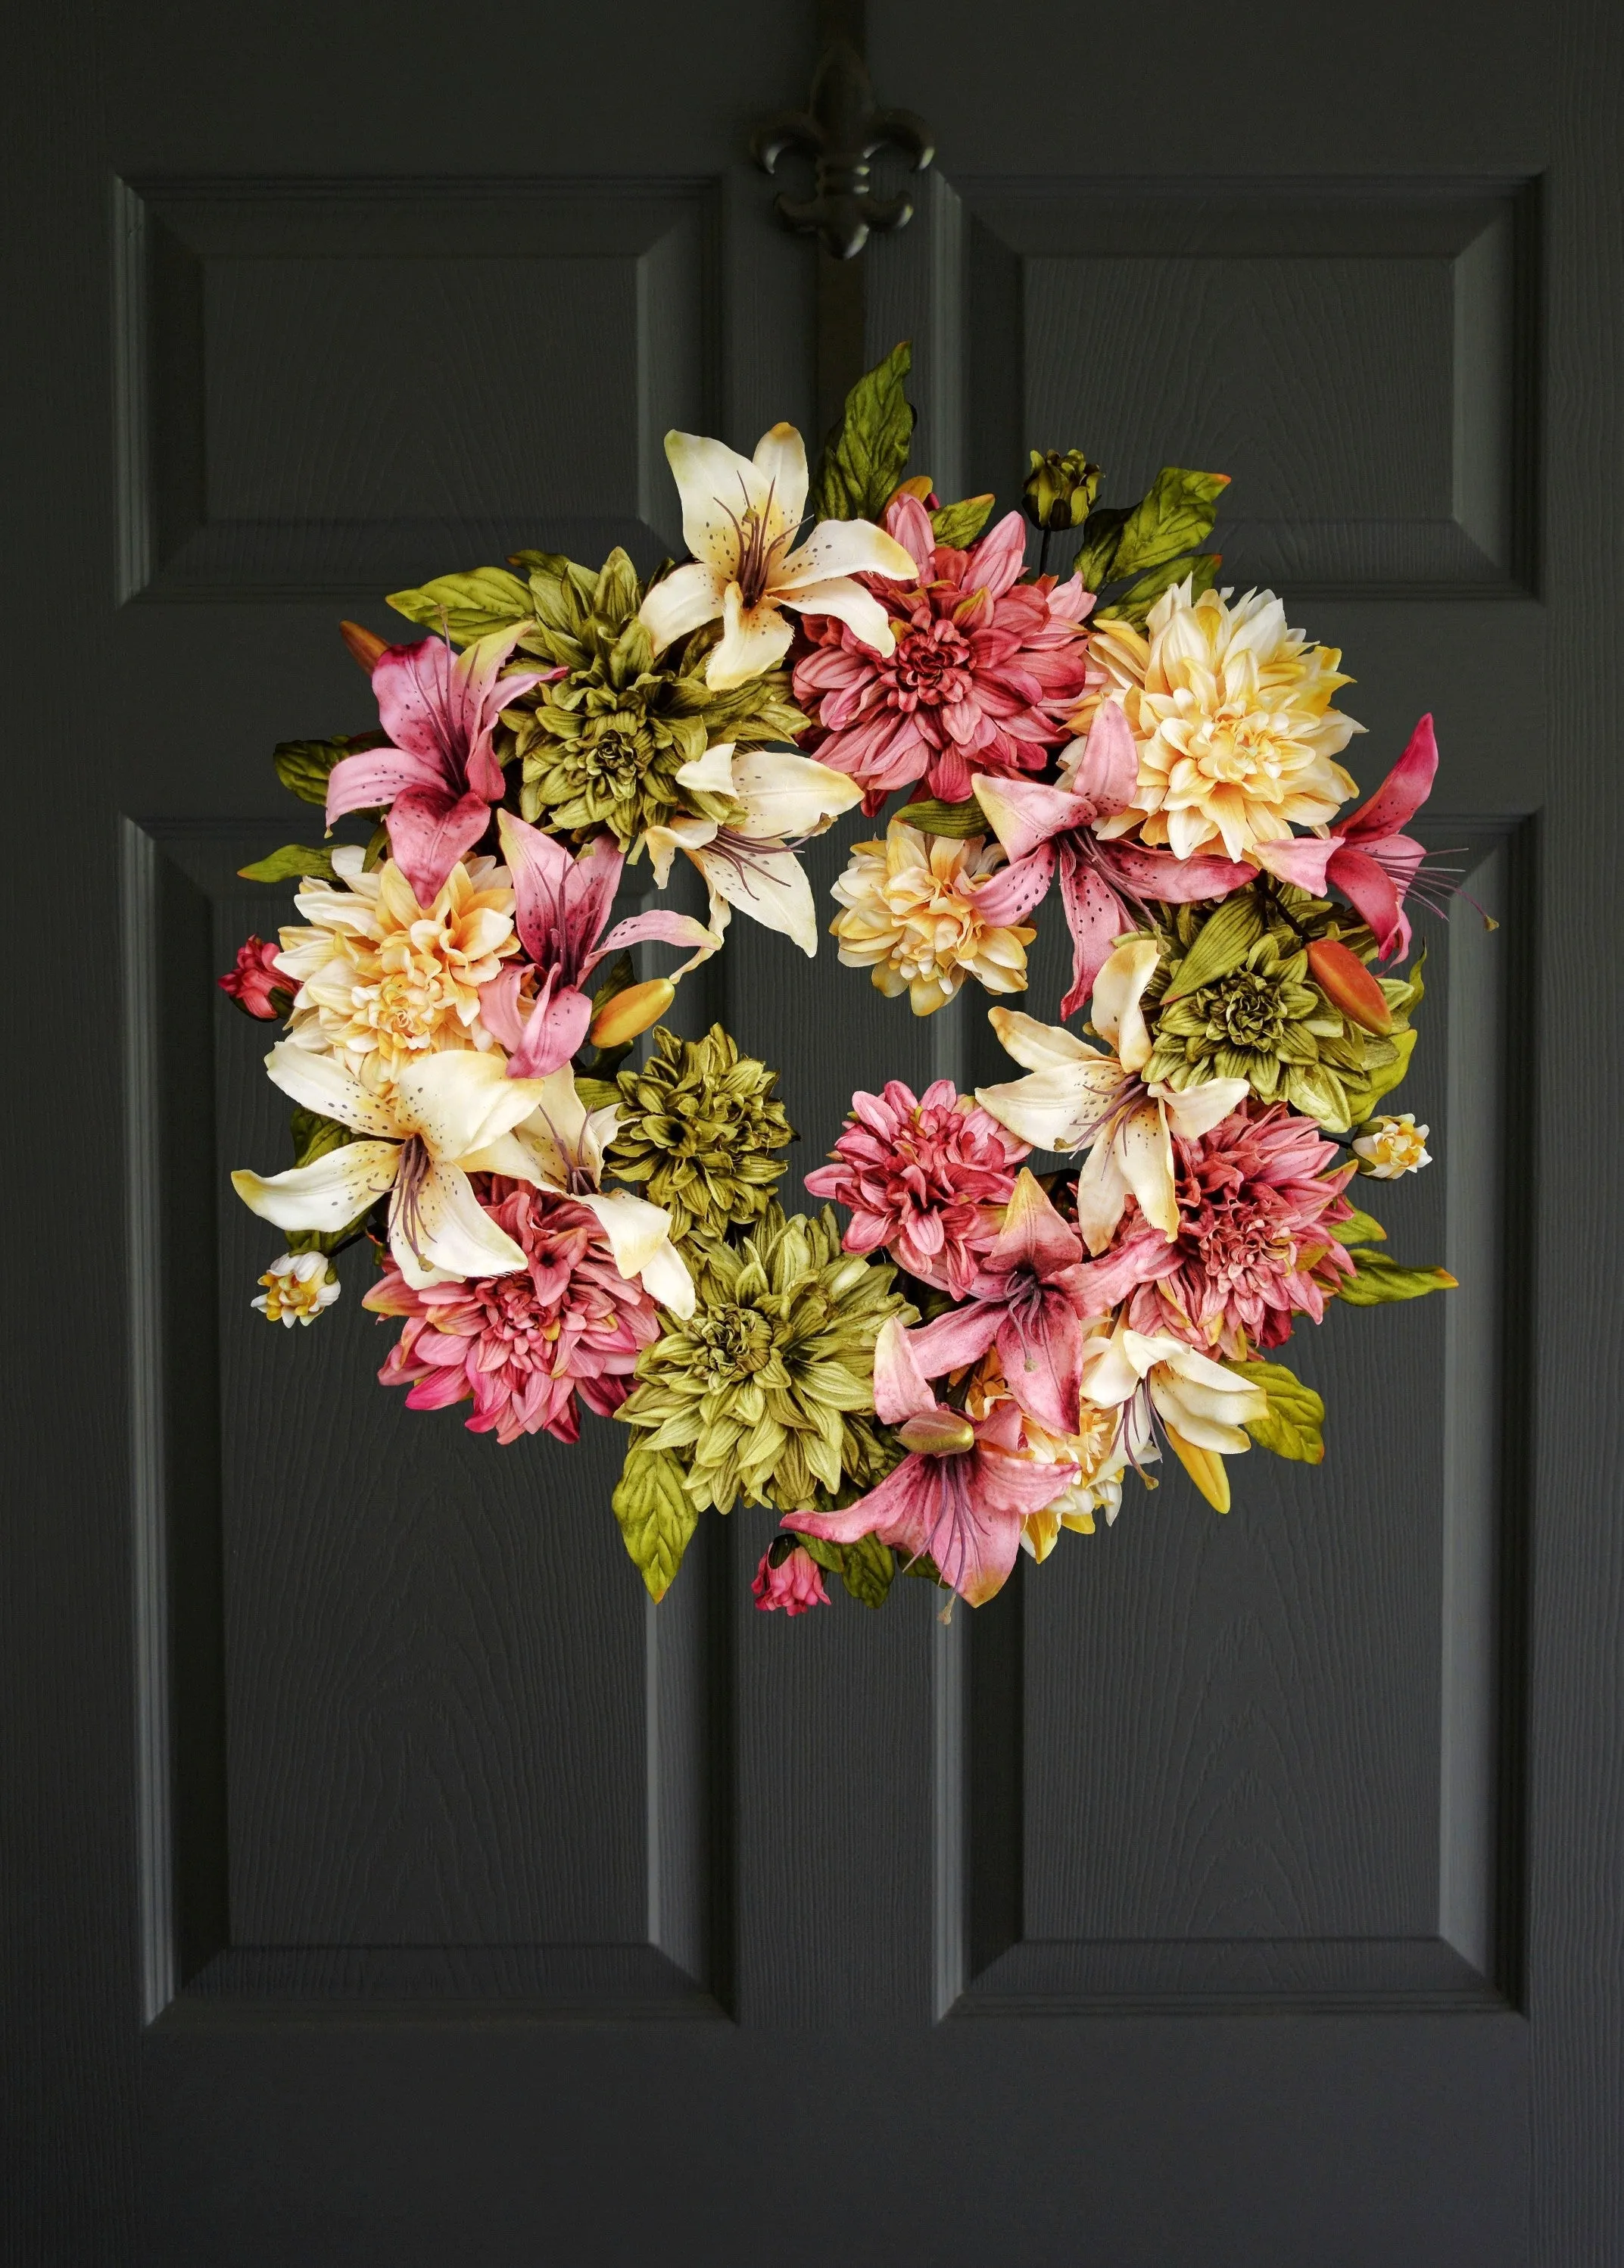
(840, 130)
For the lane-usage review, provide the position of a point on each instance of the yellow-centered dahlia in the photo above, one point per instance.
(1233, 718)
(383, 981)
(919, 914)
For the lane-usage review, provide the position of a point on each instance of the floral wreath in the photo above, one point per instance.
(976, 1361)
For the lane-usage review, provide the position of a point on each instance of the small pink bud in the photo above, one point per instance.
(256, 983)
(795, 1583)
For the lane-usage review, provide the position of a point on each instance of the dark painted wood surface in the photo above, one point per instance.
(382, 1879)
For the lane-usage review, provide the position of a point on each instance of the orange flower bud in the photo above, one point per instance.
(938, 1433)
(366, 645)
(631, 1011)
(1348, 984)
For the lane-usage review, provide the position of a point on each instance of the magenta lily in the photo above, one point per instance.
(1050, 826)
(559, 906)
(1374, 862)
(1029, 1295)
(439, 775)
(960, 1495)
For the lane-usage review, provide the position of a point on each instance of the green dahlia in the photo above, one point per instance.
(766, 1392)
(1258, 1014)
(698, 1128)
(601, 746)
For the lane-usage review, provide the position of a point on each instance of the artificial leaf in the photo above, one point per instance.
(830, 1557)
(1222, 943)
(1096, 561)
(1175, 514)
(933, 818)
(467, 606)
(293, 859)
(657, 1515)
(866, 454)
(957, 525)
(1380, 1278)
(1360, 1228)
(1134, 604)
(302, 766)
(597, 1094)
(1291, 1426)
(866, 1570)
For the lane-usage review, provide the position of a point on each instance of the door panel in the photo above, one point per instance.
(386, 1878)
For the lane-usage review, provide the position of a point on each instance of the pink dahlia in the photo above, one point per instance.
(1259, 1198)
(523, 1346)
(928, 1178)
(985, 673)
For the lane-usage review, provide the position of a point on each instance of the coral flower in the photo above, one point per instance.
(927, 1177)
(925, 912)
(1259, 1198)
(525, 1347)
(256, 983)
(985, 672)
(1234, 727)
(793, 1580)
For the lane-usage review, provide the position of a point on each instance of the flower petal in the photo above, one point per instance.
(780, 463)
(1299, 859)
(850, 603)
(711, 774)
(1022, 813)
(1054, 1109)
(1404, 791)
(1145, 1154)
(458, 1100)
(767, 884)
(901, 1389)
(438, 1227)
(325, 1195)
(1192, 1111)
(1108, 772)
(785, 794)
(684, 601)
(718, 487)
(1117, 989)
(1096, 917)
(375, 777)
(1101, 1194)
(1041, 1047)
(639, 1236)
(842, 548)
(430, 831)
(962, 1335)
(754, 640)
(322, 1083)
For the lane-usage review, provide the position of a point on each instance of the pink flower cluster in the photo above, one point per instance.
(525, 1347)
(985, 673)
(256, 983)
(928, 1177)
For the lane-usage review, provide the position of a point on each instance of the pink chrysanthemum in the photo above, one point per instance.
(986, 671)
(1259, 1198)
(524, 1347)
(928, 1178)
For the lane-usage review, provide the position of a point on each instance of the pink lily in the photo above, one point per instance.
(1053, 826)
(1027, 1294)
(559, 906)
(959, 1495)
(439, 775)
(1375, 862)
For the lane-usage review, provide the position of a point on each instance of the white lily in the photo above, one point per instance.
(1078, 1096)
(748, 862)
(1203, 1406)
(422, 1141)
(560, 1146)
(740, 519)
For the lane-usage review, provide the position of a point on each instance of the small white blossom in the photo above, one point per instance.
(1392, 1146)
(298, 1287)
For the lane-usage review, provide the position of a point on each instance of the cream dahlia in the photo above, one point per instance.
(383, 980)
(1234, 724)
(925, 912)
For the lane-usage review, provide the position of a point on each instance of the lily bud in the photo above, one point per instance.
(1205, 1468)
(920, 487)
(938, 1433)
(631, 1011)
(367, 647)
(1060, 490)
(1348, 984)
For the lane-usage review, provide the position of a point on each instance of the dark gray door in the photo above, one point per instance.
(384, 1880)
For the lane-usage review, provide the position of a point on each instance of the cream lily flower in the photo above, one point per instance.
(1078, 1096)
(560, 1146)
(421, 1144)
(1202, 1405)
(740, 519)
(750, 862)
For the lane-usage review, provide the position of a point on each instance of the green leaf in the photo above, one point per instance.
(657, 1515)
(467, 606)
(596, 1093)
(866, 1570)
(1096, 561)
(959, 524)
(1380, 1278)
(1222, 943)
(314, 1136)
(933, 818)
(293, 858)
(1135, 602)
(830, 1557)
(1360, 1228)
(302, 766)
(866, 453)
(1175, 515)
(1290, 1425)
